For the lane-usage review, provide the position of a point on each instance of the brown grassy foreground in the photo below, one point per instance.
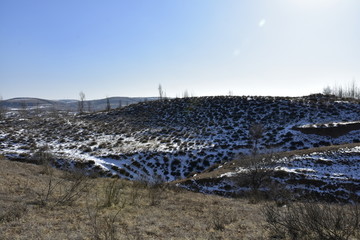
(37, 202)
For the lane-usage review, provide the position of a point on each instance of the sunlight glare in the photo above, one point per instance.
(262, 22)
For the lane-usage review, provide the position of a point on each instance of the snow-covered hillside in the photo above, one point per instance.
(175, 138)
(331, 174)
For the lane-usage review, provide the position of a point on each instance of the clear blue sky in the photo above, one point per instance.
(55, 49)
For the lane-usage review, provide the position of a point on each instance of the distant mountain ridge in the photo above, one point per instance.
(70, 104)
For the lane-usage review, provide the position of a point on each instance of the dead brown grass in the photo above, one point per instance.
(178, 214)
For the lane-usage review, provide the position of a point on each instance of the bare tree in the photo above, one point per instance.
(327, 90)
(120, 103)
(349, 91)
(37, 108)
(2, 108)
(23, 108)
(256, 171)
(108, 106)
(256, 132)
(340, 91)
(161, 92)
(352, 89)
(54, 111)
(81, 102)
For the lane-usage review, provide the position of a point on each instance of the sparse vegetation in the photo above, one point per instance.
(161, 92)
(221, 217)
(81, 103)
(44, 158)
(155, 187)
(2, 109)
(256, 172)
(256, 132)
(113, 193)
(103, 227)
(314, 221)
(180, 215)
(55, 192)
(349, 91)
(108, 106)
(13, 213)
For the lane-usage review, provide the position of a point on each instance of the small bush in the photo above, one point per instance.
(256, 172)
(63, 191)
(85, 148)
(134, 195)
(314, 221)
(221, 217)
(44, 158)
(69, 193)
(155, 189)
(13, 213)
(103, 227)
(112, 193)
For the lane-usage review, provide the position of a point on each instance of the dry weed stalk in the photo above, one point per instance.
(63, 191)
